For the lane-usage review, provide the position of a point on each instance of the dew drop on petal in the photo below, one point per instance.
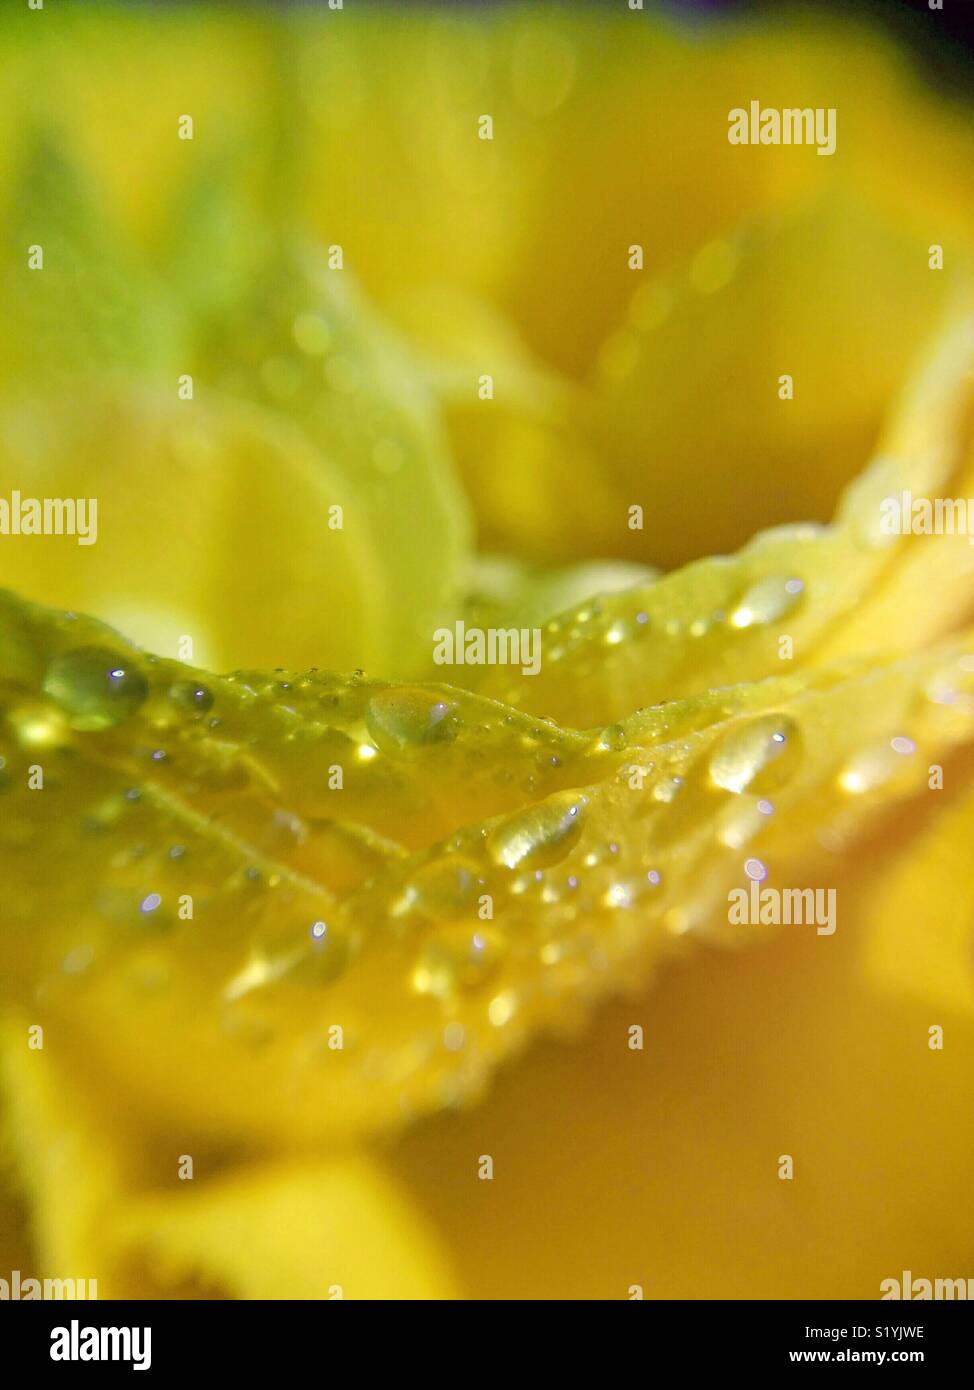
(447, 887)
(760, 756)
(191, 696)
(97, 688)
(613, 739)
(766, 601)
(458, 958)
(313, 954)
(668, 789)
(539, 836)
(404, 718)
(324, 958)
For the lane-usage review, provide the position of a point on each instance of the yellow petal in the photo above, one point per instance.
(307, 1230)
(918, 922)
(170, 1223)
(783, 1050)
(234, 919)
(319, 520)
(797, 595)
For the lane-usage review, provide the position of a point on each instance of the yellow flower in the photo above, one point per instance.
(293, 960)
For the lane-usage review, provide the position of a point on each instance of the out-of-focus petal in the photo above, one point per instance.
(798, 1047)
(147, 1219)
(317, 521)
(796, 596)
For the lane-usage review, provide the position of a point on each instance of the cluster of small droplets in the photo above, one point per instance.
(179, 786)
(593, 642)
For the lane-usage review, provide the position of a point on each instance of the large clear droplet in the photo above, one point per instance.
(404, 718)
(539, 836)
(191, 697)
(760, 757)
(458, 958)
(444, 888)
(766, 601)
(97, 688)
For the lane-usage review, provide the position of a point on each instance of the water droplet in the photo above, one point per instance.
(324, 958)
(613, 739)
(766, 601)
(458, 958)
(403, 718)
(191, 696)
(667, 789)
(313, 954)
(444, 888)
(96, 688)
(539, 836)
(759, 757)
